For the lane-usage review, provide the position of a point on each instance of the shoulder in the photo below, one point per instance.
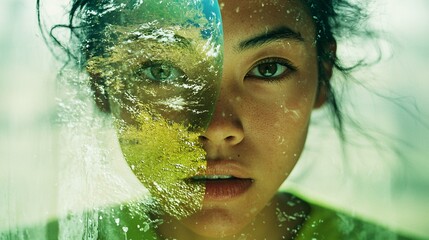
(325, 223)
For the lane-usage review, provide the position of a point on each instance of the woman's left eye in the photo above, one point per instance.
(271, 69)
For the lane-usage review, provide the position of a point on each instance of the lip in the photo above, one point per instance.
(226, 189)
(237, 184)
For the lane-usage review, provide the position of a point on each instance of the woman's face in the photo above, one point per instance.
(255, 114)
(260, 123)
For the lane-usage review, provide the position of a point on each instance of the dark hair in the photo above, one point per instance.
(333, 19)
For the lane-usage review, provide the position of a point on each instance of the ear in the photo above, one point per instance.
(327, 58)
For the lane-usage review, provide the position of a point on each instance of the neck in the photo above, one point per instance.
(280, 219)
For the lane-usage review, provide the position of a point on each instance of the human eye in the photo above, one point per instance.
(161, 72)
(271, 69)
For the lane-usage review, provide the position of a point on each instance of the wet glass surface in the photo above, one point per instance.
(160, 77)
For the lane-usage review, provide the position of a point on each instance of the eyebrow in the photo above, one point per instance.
(178, 39)
(281, 33)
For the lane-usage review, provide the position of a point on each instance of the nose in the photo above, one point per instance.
(225, 127)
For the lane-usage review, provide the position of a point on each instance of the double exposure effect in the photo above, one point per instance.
(158, 74)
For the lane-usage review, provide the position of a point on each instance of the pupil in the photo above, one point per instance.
(161, 71)
(267, 69)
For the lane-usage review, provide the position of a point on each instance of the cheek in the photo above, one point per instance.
(287, 143)
(291, 126)
(287, 113)
(280, 127)
(289, 132)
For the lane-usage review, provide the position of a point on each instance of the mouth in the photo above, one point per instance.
(222, 187)
(211, 177)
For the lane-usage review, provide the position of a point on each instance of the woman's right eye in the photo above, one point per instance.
(161, 72)
(271, 69)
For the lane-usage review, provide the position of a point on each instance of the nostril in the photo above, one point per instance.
(230, 138)
(202, 139)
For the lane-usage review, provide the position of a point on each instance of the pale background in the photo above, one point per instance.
(48, 168)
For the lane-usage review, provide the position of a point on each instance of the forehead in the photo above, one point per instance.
(248, 17)
(263, 7)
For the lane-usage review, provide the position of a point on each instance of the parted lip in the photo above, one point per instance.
(222, 169)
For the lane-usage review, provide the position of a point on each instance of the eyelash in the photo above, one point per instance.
(288, 68)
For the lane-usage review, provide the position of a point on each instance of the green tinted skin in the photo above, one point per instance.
(165, 69)
(164, 156)
(162, 82)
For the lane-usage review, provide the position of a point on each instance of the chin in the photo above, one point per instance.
(215, 223)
